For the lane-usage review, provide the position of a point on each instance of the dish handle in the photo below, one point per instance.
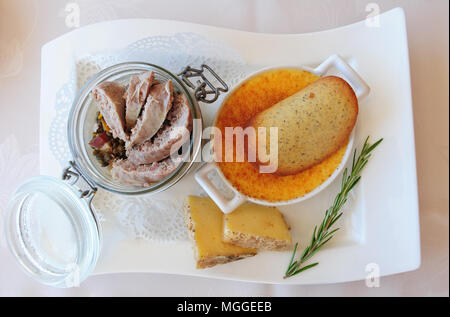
(361, 88)
(226, 205)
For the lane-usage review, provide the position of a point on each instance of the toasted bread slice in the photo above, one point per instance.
(259, 227)
(312, 124)
(204, 221)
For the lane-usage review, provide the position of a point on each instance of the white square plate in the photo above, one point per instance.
(380, 223)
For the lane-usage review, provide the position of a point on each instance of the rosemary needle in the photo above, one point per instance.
(324, 232)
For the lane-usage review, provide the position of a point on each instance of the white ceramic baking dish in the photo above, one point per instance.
(333, 63)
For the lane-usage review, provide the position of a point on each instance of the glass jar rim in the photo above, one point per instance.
(78, 147)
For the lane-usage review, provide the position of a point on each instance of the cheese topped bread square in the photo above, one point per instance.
(256, 226)
(205, 224)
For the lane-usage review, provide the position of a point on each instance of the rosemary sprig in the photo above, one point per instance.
(324, 232)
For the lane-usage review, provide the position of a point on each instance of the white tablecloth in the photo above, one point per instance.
(25, 25)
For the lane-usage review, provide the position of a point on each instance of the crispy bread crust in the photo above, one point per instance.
(338, 84)
(255, 242)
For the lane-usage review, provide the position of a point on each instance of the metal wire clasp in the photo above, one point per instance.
(201, 91)
(72, 174)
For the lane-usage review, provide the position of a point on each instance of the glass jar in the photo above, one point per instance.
(50, 225)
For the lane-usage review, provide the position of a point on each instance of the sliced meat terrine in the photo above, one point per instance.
(126, 172)
(109, 96)
(174, 133)
(136, 96)
(158, 104)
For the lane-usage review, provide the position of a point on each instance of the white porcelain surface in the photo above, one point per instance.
(384, 207)
(428, 36)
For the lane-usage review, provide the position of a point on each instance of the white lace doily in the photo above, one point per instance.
(150, 218)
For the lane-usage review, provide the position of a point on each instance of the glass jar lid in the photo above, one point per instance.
(50, 226)
(52, 232)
